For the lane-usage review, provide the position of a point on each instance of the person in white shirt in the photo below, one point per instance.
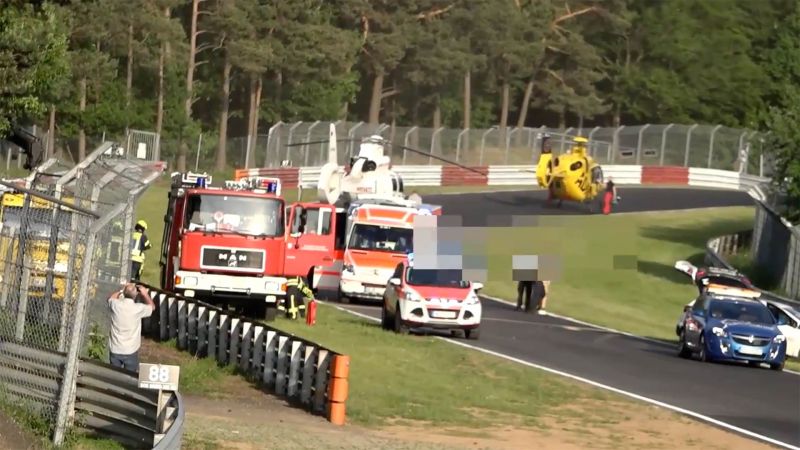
(126, 325)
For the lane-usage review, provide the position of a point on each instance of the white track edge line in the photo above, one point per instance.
(600, 327)
(599, 385)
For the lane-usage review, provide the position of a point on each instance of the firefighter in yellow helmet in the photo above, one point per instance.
(296, 292)
(138, 247)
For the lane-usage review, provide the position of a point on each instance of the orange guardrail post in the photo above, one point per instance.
(337, 389)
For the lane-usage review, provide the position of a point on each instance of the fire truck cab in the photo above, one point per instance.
(236, 245)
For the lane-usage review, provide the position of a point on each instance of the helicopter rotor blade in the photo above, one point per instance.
(298, 144)
(424, 153)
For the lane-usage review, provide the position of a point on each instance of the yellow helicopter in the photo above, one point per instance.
(573, 176)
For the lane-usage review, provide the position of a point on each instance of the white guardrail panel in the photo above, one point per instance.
(623, 174)
(412, 175)
(512, 175)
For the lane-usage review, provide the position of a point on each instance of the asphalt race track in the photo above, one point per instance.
(758, 400)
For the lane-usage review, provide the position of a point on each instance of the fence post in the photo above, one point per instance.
(433, 143)
(270, 135)
(289, 140)
(483, 143)
(458, 143)
(614, 145)
(70, 371)
(592, 148)
(639, 144)
(563, 138)
(711, 144)
(688, 143)
(351, 135)
(664, 143)
(308, 139)
(405, 142)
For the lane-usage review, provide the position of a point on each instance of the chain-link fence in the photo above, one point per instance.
(707, 146)
(64, 248)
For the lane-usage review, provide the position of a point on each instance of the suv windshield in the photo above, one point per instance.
(253, 216)
(39, 220)
(436, 277)
(382, 238)
(744, 311)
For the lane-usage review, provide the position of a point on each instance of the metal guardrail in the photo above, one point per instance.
(301, 371)
(108, 400)
(731, 244)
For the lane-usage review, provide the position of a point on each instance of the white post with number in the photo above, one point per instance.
(164, 379)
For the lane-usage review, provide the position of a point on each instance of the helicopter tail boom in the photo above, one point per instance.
(332, 151)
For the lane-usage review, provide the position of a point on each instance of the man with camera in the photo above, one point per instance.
(125, 337)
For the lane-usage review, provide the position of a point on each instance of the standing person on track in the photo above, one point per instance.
(610, 196)
(541, 290)
(524, 291)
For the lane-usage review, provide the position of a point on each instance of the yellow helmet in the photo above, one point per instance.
(580, 139)
(142, 224)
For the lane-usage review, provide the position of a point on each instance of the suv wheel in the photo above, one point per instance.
(399, 327)
(683, 349)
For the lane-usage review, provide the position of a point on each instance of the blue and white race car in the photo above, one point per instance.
(730, 324)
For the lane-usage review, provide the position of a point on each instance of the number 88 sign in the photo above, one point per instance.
(159, 376)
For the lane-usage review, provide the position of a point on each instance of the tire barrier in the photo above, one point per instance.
(300, 371)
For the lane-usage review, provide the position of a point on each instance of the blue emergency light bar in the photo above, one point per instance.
(199, 180)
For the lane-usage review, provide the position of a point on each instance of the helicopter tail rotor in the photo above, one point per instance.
(544, 170)
(329, 187)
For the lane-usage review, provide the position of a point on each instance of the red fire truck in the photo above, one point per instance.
(236, 245)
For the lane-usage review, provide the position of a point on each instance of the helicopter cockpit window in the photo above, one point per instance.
(597, 175)
(577, 165)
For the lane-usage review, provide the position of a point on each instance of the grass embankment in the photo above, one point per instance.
(615, 271)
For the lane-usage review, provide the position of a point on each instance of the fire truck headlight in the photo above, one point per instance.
(190, 281)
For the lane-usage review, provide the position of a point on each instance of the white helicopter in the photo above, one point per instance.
(369, 176)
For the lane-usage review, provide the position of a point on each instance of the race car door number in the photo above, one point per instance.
(443, 314)
(750, 350)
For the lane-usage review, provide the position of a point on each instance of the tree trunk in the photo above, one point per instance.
(181, 163)
(223, 116)
(160, 107)
(526, 102)
(279, 91)
(617, 113)
(376, 100)
(437, 115)
(81, 131)
(256, 113)
(562, 120)
(129, 78)
(250, 116)
(437, 123)
(504, 114)
(467, 98)
(51, 133)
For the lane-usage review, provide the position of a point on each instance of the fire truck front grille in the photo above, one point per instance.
(232, 259)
